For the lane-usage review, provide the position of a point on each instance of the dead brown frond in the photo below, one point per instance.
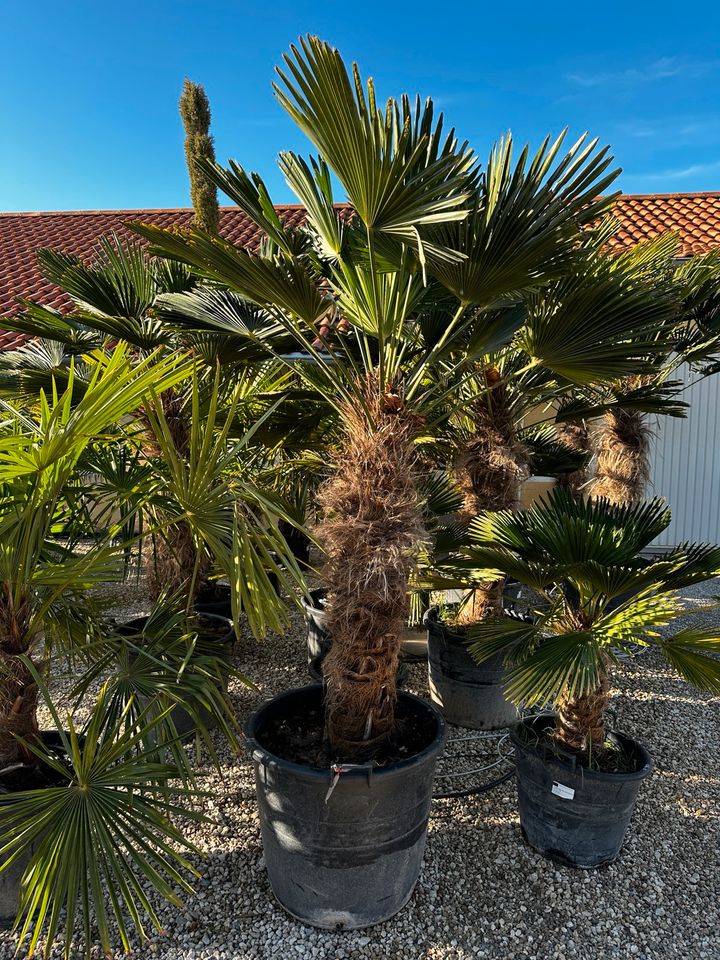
(370, 535)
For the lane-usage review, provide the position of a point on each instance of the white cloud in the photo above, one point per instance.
(678, 173)
(663, 68)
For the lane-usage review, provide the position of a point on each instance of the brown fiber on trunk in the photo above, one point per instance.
(169, 557)
(490, 471)
(576, 437)
(623, 457)
(371, 534)
(580, 723)
(18, 690)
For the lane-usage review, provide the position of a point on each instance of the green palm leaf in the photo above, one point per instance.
(101, 838)
(375, 155)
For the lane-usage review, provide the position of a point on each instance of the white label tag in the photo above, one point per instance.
(560, 790)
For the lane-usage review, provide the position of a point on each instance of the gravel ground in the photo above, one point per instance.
(482, 891)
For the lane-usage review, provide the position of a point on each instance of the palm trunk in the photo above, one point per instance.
(169, 557)
(580, 725)
(576, 437)
(623, 457)
(371, 533)
(18, 690)
(491, 472)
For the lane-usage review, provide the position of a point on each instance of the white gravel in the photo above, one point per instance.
(482, 891)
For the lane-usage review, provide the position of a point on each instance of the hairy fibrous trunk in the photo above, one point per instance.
(580, 725)
(18, 690)
(370, 535)
(576, 437)
(170, 557)
(491, 471)
(623, 457)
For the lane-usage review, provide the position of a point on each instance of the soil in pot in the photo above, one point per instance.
(215, 636)
(343, 844)
(469, 694)
(19, 777)
(573, 814)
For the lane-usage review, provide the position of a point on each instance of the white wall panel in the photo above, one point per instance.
(686, 464)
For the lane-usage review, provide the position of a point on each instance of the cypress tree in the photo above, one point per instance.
(195, 113)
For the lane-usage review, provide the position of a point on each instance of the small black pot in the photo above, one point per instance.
(571, 814)
(26, 777)
(469, 694)
(223, 638)
(349, 857)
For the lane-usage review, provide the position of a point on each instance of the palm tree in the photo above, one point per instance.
(113, 300)
(357, 299)
(105, 787)
(623, 442)
(42, 579)
(580, 331)
(596, 599)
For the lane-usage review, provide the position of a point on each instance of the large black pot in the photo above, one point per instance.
(571, 814)
(349, 857)
(212, 628)
(469, 694)
(26, 777)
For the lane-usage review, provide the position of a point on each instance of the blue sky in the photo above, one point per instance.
(88, 90)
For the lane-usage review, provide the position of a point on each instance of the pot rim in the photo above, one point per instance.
(226, 640)
(315, 594)
(567, 762)
(303, 771)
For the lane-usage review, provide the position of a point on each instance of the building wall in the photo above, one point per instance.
(686, 464)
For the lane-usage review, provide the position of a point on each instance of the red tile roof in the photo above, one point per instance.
(695, 216)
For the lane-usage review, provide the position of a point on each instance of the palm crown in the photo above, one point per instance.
(595, 596)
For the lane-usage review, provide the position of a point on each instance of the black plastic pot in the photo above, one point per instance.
(570, 814)
(215, 598)
(469, 694)
(223, 637)
(318, 637)
(26, 777)
(349, 857)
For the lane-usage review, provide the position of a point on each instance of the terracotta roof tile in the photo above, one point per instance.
(696, 216)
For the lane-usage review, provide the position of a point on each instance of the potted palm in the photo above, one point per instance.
(355, 295)
(593, 323)
(72, 797)
(577, 779)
